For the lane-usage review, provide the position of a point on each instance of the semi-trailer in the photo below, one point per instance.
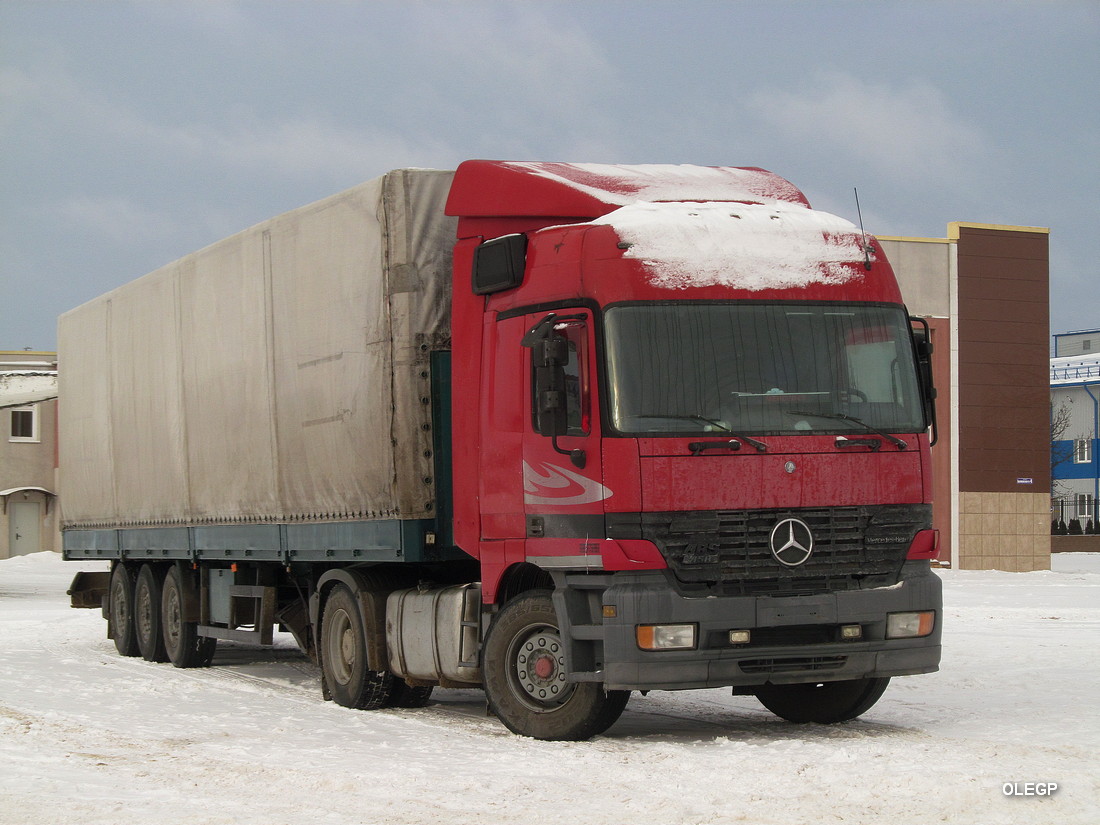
(559, 431)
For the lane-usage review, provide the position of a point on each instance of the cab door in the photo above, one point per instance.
(563, 483)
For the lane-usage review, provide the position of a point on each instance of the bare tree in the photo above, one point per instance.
(1061, 449)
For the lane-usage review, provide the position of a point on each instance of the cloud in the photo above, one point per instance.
(545, 80)
(217, 18)
(306, 147)
(63, 108)
(122, 221)
(906, 132)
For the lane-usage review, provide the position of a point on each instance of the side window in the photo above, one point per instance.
(575, 394)
(578, 389)
(24, 424)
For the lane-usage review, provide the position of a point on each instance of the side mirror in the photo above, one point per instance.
(499, 264)
(922, 349)
(550, 355)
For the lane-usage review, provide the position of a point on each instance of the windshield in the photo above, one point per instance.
(761, 368)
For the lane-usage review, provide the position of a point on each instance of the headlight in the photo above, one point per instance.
(910, 625)
(665, 636)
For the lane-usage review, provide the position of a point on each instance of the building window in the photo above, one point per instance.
(1082, 451)
(1085, 507)
(24, 424)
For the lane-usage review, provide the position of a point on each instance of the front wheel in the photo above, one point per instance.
(525, 677)
(824, 702)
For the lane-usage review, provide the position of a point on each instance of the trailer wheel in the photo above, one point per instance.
(825, 702)
(524, 668)
(410, 696)
(182, 643)
(120, 610)
(344, 656)
(147, 615)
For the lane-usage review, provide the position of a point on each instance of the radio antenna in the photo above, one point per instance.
(866, 246)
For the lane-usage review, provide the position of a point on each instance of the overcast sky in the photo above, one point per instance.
(132, 133)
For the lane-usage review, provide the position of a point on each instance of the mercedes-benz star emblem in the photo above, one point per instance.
(791, 542)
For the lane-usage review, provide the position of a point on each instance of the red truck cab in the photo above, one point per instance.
(690, 444)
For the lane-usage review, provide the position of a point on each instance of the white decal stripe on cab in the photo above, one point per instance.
(556, 485)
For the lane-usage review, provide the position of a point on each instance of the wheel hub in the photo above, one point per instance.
(347, 647)
(540, 668)
(544, 667)
(175, 616)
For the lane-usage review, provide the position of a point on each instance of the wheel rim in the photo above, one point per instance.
(119, 606)
(144, 613)
(537, 669)
(173, 622)
(343, 650)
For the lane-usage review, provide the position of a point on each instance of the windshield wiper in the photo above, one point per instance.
(695, 448)
(676, 417)
(700, 447)
(897, 442)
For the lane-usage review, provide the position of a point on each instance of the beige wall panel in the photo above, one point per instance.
(923, 273)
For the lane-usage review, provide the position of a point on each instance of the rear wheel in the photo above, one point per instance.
(147, 615)
(120, 610)
(824, 702)
(182, 642)
(410, 696)
(344, 663)
(525, 677)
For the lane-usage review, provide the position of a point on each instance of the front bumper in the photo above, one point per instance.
(795, 639)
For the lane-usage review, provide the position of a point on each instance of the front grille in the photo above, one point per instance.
(787, 636)
(803, 664)
(728, 552)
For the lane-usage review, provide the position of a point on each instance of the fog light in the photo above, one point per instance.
(740, 637)
(910, 625)
(666, 636)
(851, 631)
(610, 611)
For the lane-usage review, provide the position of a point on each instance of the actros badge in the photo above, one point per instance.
(791, 542)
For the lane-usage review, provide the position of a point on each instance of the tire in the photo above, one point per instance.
(524, 670)
(120, 610)
(825, 703)
(344, 665)
(410, 696)
(616, 704)
(182, 643)
(147, 615)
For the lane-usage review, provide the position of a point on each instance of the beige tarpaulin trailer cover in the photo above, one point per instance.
(278, 375)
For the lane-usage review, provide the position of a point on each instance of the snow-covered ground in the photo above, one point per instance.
(89, 737)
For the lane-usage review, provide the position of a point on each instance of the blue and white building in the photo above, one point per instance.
(1075, 403)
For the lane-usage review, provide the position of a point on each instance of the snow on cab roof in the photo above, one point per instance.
(691, 226)
(743, 246)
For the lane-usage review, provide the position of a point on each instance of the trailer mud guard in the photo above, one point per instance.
(89, 589)
(371, 596)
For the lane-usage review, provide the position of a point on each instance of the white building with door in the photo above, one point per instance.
(28, 453)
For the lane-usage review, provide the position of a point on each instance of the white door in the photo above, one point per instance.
(24, 520)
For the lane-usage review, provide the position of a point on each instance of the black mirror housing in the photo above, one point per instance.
(552, 412)
(922, 349)
(499, 264)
